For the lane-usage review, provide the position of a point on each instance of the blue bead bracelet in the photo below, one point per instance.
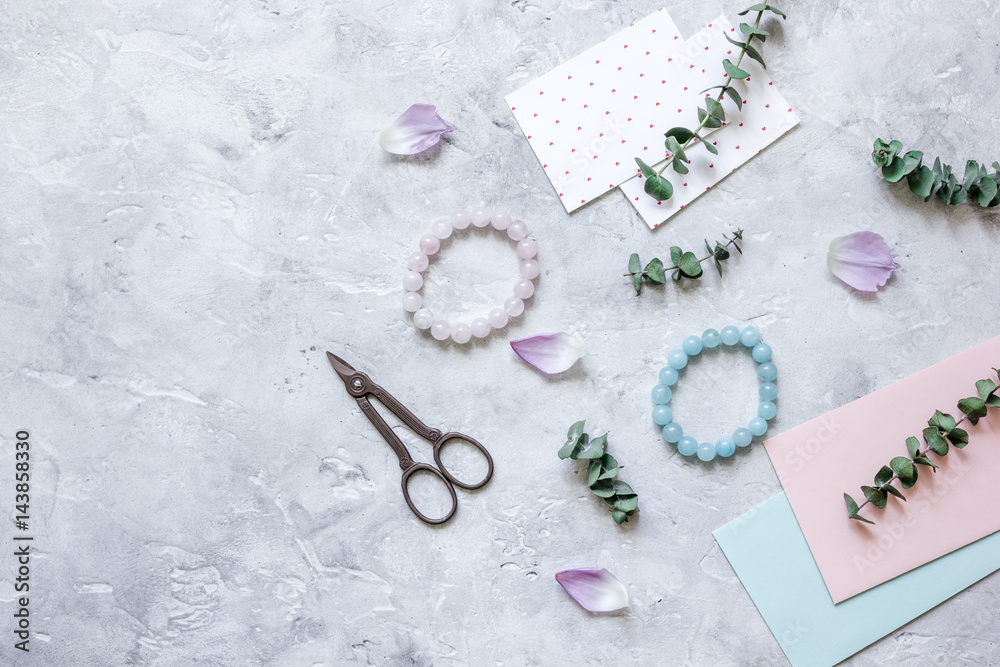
(678, 359)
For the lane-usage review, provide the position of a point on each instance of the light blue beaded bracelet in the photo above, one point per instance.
(678, 359)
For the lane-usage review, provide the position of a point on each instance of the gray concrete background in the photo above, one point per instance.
(195, 208)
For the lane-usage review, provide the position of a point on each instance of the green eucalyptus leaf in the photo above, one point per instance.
(924, 461)
(681, 134)
(637, 282)
(583, 442)
(985, 388)
(912, 446)
(633, 263)
(858, 517)
(658, 187)
(676, 275)
(680, 167)
(627, 503)
(942, 421)
(971, 172)
(708, 145)
(675, 255)
(623, 489)
(572, 438)
(959, 195)
(734, 95)
(690, 266)
(604, 488)
(609, 467)
(921, 182)
(748, 29)
(593, 472)
(883, 476)
(993, 401)
(754, 8)
(894, 171)
(721, 252)
(874, 496)
(987, 191)
(911, 161)
(777, 11)
(974, 408)
(718, 266)
(904, 470)
(735, 43)
(894, 491)
(852, 506)
(755, 54)
(595, 449)
(654, 272)
(619, 516)
(733, 71)
(646, 170)
(715, 109)
(933, 438)
(706, 120)
(959, 437)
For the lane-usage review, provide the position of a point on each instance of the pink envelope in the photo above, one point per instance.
(820, 460)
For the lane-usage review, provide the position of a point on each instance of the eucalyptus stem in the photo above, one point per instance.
(686, 264)
(701, 125)
(941, 433)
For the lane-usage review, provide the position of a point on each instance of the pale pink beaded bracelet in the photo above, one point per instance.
(498, 317)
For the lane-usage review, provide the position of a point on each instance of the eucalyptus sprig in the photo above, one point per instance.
(679, 139)
(686, 264)
(601, 472)
(941, 429)
(979, 185)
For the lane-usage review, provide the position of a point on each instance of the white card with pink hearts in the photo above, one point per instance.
(765, 117)
(588, 119)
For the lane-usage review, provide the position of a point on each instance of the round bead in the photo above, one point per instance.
(412, 302)
(442, 228)
(761, 352)
(757, 426)
(440, 330)
(742, 437)
(530, 269)
(412, 281)
(672, 432)
(711, 338)
(749, 337)
(517, 230)
(513, 306)
(527, 248)
(480, 216)
(730, 335)
(461, 333)
(461, 219)
(480, 327)
(767, 371)
(423, 319)
(417, 261)
(725, 447)
(523, 289)
(429, 244)
(498, 318)
(661, 394)
(767, 410)
(768, 391)
(687, 445)
(668, 376)
(500, 220)
(692, 345)
(662, 415)
(677, 359)
(706, 451)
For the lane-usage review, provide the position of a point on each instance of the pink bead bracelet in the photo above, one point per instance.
(480, 327)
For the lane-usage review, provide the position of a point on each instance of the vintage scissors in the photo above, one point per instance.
(360, 386)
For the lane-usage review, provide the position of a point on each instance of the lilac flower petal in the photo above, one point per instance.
(862, 260)
(551, 352)
(594, 589)
(419, 128)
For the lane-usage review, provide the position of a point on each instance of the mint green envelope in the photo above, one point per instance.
(770, 555)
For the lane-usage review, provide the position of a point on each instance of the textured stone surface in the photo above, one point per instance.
(194, 208)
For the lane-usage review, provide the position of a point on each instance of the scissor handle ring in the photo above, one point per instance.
(439, 444)
(416, 467)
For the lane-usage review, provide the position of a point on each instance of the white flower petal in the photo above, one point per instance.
(550, 353)
(419, 128)
(594, 589)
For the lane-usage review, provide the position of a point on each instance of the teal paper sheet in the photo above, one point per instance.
(771, 557)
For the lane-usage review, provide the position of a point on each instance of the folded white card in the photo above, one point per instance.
(588, 119)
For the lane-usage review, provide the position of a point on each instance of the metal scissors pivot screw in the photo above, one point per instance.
(360, 386)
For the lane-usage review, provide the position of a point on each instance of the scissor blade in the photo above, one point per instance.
(344, 369)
